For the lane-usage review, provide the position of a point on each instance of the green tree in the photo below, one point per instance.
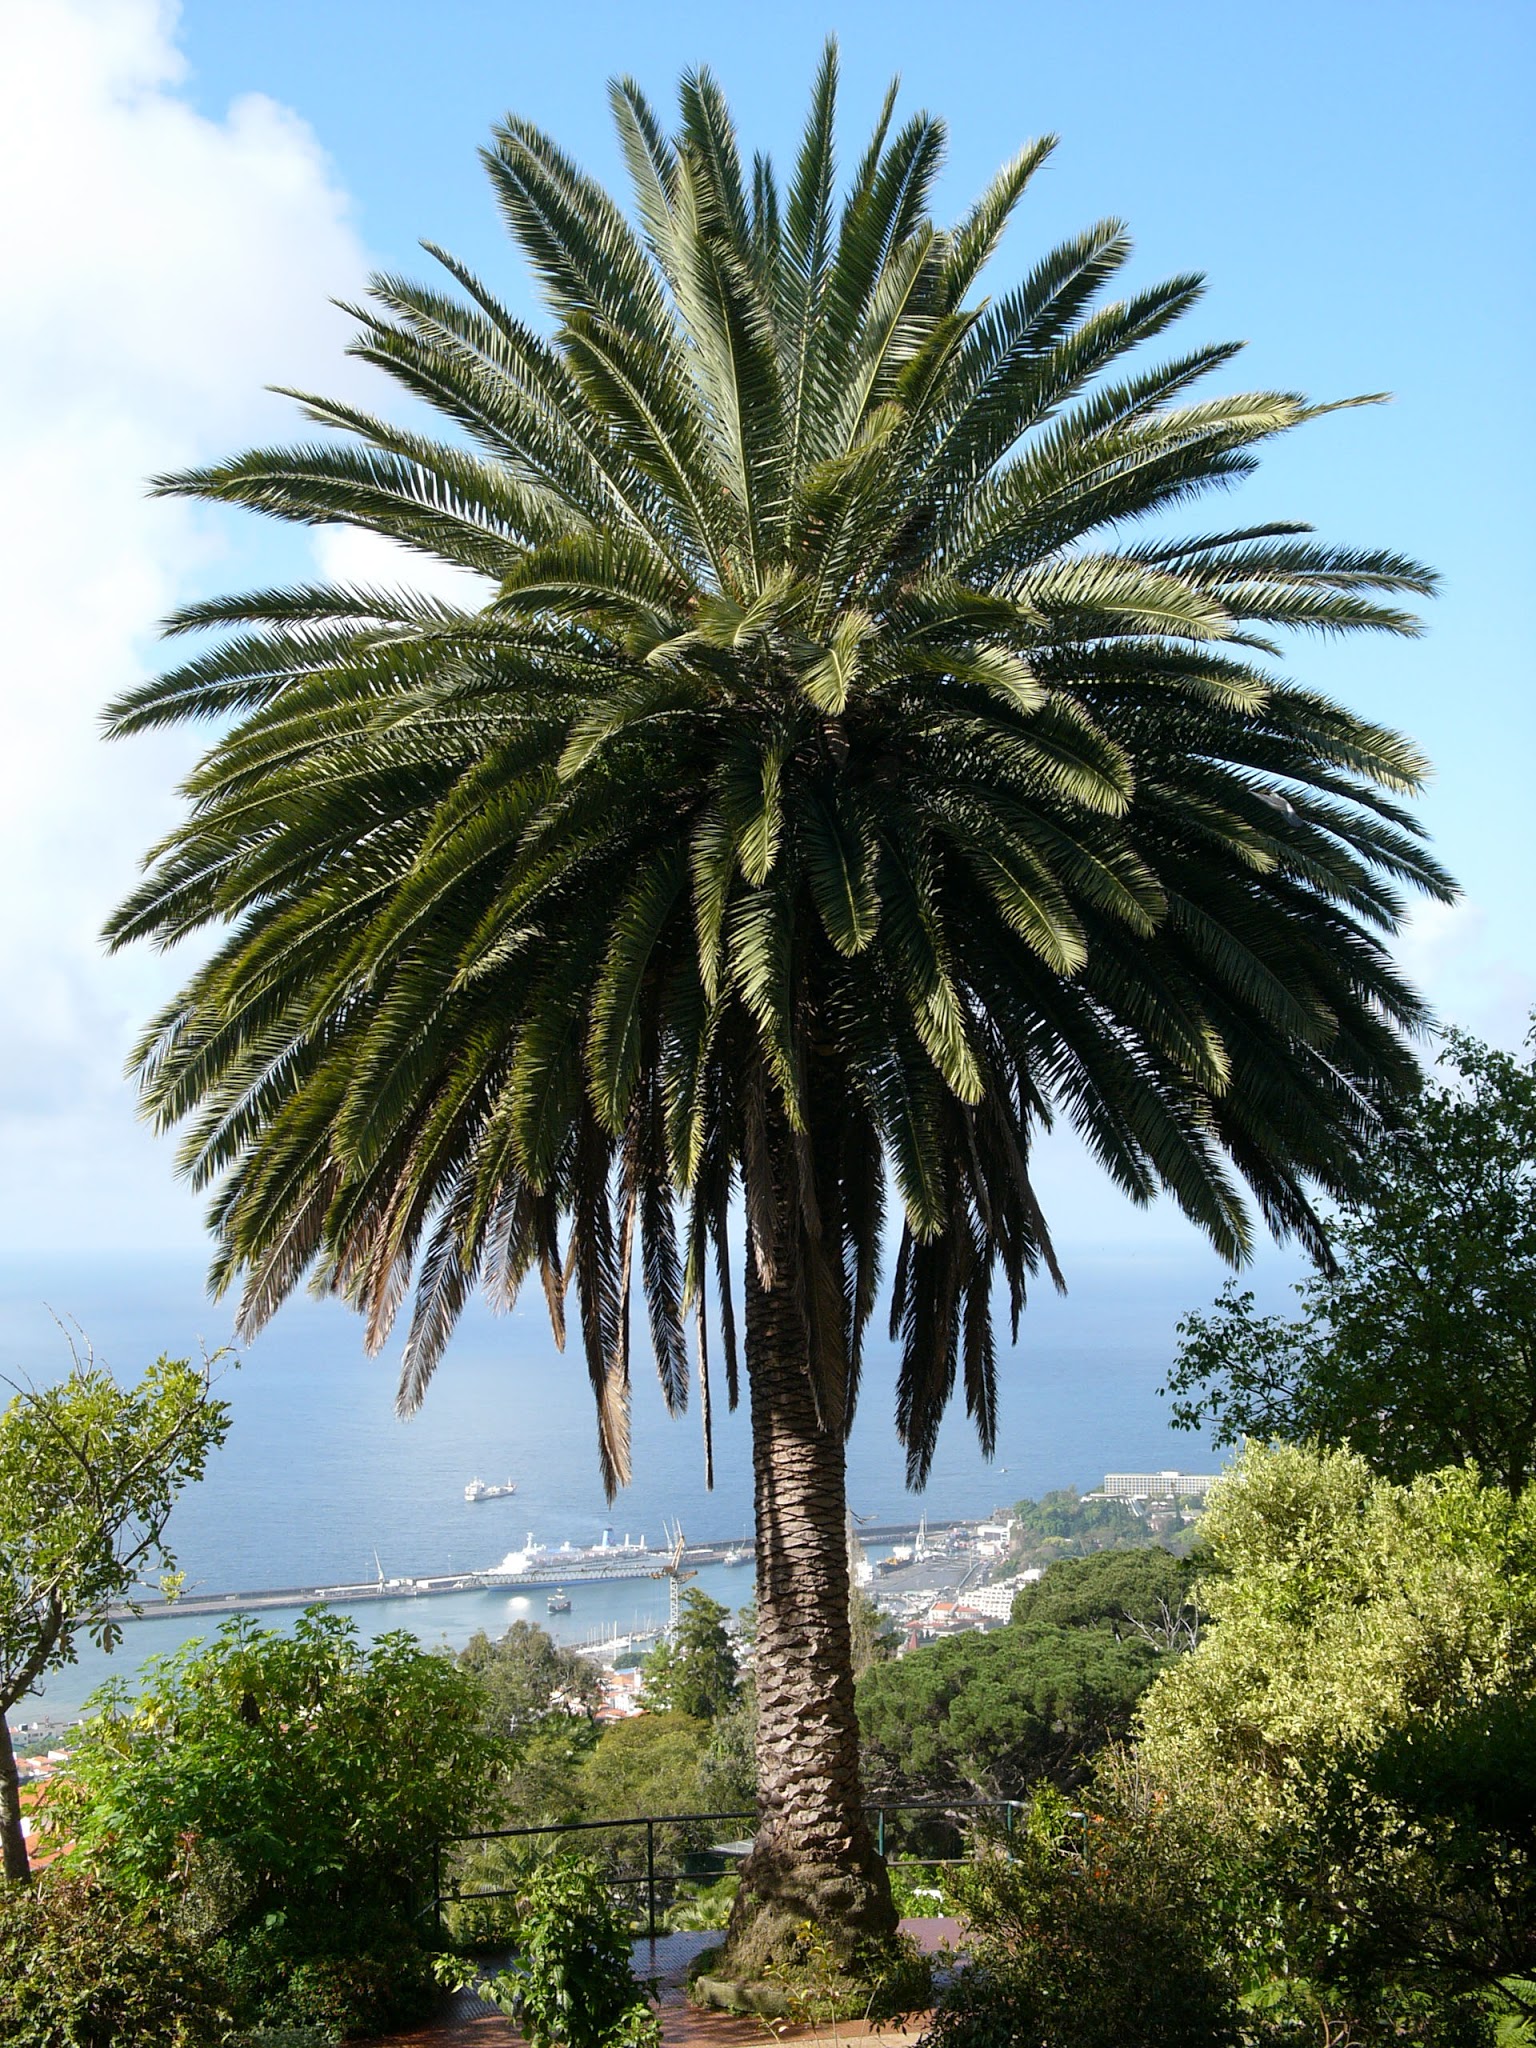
(80, 1968)
(540, 1701)
(1417, 1345)
(728, 1775)
(693, 1671)
(1062, 1525)
(647, 1764)
(992, 1714)
(527, 1677)
(89, 1472)
(827, 787)
(284, 1793)
(1361, 1721)
(872, 1634)
(1142, 1593)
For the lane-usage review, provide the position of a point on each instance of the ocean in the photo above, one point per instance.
(319, 1482)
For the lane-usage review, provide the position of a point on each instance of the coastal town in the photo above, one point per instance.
(959, 1578)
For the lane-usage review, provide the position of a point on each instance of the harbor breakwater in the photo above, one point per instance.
(545, 1571)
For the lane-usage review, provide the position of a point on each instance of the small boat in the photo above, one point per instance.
(733, 1556)
(478, 1490)
(559, 1602)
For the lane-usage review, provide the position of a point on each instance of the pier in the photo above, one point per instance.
(550, 1569)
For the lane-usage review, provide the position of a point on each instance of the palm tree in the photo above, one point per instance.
(830, 788)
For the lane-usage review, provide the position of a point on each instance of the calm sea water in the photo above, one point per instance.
(318, 1477)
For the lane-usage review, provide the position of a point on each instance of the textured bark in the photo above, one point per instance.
(18, 1868)
(813, 1857)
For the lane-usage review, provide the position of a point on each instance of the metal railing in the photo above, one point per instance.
(653, 1881)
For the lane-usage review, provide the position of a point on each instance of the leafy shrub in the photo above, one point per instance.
(917, 1889)
(1360, 1725)
(881, 1978)
(283, 2037)
(1085, 1942)
(79, 1968)
(275, 1979)
(283, 1794)
(700, 1908)
(572, 1981)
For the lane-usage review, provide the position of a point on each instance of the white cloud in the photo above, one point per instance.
(1454, 953)
(351, 554)
(161, 268)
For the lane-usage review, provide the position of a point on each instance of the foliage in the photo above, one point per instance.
(284, 1793)
(785, 527)
(542, 1778)
(572, 1982)
(873, 1633)
(1419, 1349)
(823, 1983)
(693, 1671)
(1138, 1593)
(648, 1764)
(1358, 1726)
(527, 1677)
(1089, 1934)
(702, 1908)
(89, 1471)
(275, 1976)
(539, 1704)
(993, 1713)
(79, 1968)
(1062, 1525)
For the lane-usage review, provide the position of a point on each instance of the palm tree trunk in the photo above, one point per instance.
(813, 1858)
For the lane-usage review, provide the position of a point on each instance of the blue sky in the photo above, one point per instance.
(186, 189)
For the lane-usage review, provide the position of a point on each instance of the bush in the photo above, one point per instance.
(274, 1982)
(1360, 1725)
(572, 1981)
(283, 1795)
(702, 1908)
(79, 1968)
(823, 1982)
(1089, 1936)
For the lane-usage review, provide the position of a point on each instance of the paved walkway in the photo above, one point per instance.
(468, 2022)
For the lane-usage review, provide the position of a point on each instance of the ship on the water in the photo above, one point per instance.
(478, 1490)
(559, 1602)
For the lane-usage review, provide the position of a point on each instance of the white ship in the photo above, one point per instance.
(478, 1490)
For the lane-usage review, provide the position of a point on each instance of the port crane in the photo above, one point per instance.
(673, 1572)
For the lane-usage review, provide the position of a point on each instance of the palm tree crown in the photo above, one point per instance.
(838, 780)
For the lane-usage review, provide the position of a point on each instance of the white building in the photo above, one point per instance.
(996, 1601)
(1156, 1485)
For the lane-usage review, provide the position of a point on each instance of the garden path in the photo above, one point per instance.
(468, 2022)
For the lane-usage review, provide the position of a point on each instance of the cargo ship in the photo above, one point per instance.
(478, 1490)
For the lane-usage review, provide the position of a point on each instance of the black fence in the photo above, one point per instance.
(678, 1854)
